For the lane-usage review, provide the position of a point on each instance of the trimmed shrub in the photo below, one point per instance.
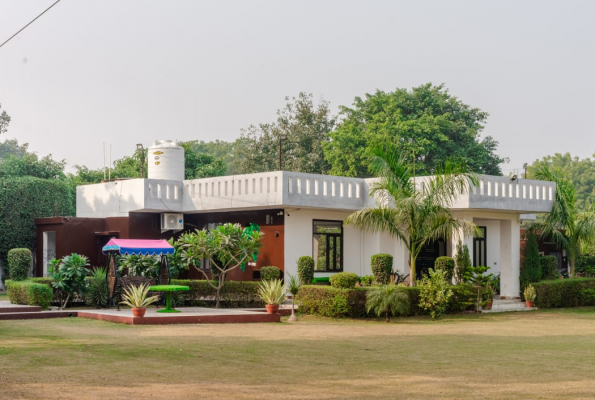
(531, 266)
(344, 280)
(446, 264)
(29, 293)
(562, 293)
(549, 268)
(305, 270)
(382, 267)
(19, 263)
(270, 273)
(462, 261)
(233, 294)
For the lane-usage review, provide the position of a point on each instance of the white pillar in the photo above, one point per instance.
(468, 240)
(510, 239)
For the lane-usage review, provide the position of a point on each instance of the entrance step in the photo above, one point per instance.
(8, 307)
(507, 306)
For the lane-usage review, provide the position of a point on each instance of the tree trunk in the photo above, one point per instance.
(572, 265)
(65, 302)
(412, 269)
(387, 316)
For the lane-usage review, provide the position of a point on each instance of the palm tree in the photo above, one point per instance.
(389, 300)
(294, 287)
(565, 225)
(414, 215)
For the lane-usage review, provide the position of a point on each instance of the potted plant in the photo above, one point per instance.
(530, 295)
(136, 298)
(489, 293)
(272, 293)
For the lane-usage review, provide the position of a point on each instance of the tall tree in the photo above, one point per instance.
(219, 149)
(427, 123)
(306, 127)
(414, 215)
(580, 172)
(565, 225)
(4, 121)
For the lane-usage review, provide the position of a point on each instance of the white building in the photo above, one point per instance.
(297, 205)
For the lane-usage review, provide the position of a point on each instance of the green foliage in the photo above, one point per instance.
(479, 279)
(68, 275)
(19, 263)
(367, 280)
(4, 121)
(305, 268)
(585, 265)
(529, 293)
(413, 216)
(272, 291)
(427, 123)
(11, 147)
(549, 268)
(563, 293)
(434, 293)
(307, 128)
(388, 300)
(344, 280)
(31, 165)
(226, 247)
(138, 296)
(23, 199)
(382, 267)
(219, 150)
(30, 293)
(97, 292)
(531, 266)
(201, 165)
(462, 262)
(270, 273)
(233, 294)
(446, 264)
(293, 286)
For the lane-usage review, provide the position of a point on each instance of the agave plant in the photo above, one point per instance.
(271, 292)
(136, 297)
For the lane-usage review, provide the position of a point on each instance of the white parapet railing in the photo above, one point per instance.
(502, 193)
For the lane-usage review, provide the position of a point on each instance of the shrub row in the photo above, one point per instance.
(29, 293)
(561, 293)
(233, 294)
(270, 273)
(328, 301)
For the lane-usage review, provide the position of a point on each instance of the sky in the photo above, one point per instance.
(126, 72)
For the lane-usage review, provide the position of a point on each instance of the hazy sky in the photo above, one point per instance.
(124, 72)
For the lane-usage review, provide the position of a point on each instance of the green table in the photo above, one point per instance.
(168, 289)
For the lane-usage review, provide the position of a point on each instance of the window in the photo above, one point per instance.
(327, 246)
(479, 248)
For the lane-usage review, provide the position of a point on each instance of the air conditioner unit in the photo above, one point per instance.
(170, 221)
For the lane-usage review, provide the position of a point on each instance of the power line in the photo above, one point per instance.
(46, 10)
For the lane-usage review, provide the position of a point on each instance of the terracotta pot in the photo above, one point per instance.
(489, 305)
(139, 312)
(272, 308)
(529, 303)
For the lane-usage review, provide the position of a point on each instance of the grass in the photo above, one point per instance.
(544, 354)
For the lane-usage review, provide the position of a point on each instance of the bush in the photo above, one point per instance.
(446, 264)
(305, 270)
(233, 294)
(549, 268)
(462, 261)
(531, 266)
(29, 293)
(382, 267)
(562, 293)
(585, 265)
(19, 263)
(97, 293)
(344, 280)
(270, 273)
(434, 293)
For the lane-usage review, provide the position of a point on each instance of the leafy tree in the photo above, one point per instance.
(307, 128)
(4, 121)
(414, 216)
(427, 123)
(388, 300)
(434, 293)
(462, 261)
(30, 165)
(531, 268)
(580, 172)
(11, 147)
(226, 248)
(565, 225)
(219, 149)
(68, 275)
(201, 165)
(477, 277)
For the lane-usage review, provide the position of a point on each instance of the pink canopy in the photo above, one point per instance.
(138, 247)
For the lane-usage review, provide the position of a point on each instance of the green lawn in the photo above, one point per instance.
(544, 354)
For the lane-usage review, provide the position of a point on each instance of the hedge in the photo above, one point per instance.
(19, 263)
(344, 280)
(29, 293)
(270, 273)
(305, 268)
(22, 199)
(549, 268)
(233, 294)
(562, 293)
(328, 301)
(382, 267)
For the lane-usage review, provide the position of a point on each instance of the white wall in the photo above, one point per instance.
(358, 246)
